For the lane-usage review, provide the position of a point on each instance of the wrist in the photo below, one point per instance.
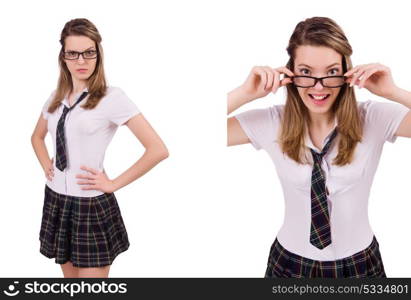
(114, 185)
(46, 166)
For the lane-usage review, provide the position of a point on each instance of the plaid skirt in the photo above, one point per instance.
(88, 231)
(366, 263)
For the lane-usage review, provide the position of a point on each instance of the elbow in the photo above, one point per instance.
(33, 139)
(158, 153)
(163, 154)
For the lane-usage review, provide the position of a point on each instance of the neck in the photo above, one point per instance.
(78, 85)
(321, 121)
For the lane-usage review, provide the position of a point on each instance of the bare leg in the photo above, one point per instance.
(101, 272)
(69, 270)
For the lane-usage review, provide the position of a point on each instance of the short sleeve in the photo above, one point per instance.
(384, 118)
(46, 105)
(120, 108)
(260, 125)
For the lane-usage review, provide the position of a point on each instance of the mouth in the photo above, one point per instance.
(319, 99)
(81, 70)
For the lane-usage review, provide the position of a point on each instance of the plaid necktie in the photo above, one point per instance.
(61, 154)
(320, 235)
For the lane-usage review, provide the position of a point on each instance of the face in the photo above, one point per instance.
(317, 61)
(80, 69)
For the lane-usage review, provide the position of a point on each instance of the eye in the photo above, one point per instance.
(302, 71)
(70, 54)
(336, 71)
(90, 53)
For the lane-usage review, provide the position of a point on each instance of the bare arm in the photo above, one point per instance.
(235, 134)
(403, 97)
(260, 82)
(155, 152)
(40, 149)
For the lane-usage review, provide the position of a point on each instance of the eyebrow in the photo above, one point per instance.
(326, 68)
(92, 47)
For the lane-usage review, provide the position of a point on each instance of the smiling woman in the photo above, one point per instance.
(326, 147)
(324, 89)
(82, 227)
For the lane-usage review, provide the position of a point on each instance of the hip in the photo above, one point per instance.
(365, 263)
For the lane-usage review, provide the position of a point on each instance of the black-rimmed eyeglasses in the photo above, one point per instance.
(328, 81)
(72, 55)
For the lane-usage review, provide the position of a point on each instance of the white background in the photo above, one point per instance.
(208, 210)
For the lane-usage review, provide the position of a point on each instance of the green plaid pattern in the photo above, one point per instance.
(320, 233)
(363, 264)
(61, 154)
(88, 231)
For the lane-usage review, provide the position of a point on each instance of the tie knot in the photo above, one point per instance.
(318, 156)
(65, 110)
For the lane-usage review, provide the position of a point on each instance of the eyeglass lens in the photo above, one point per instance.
(327, 82)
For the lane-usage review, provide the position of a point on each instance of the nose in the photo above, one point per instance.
(80, 59)
(318, 86)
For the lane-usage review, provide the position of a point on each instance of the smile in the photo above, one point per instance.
(319, 97)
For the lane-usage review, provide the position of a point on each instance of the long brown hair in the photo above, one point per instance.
(320, 31)
(97, 82)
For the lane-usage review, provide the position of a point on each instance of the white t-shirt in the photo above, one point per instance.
(349, 186)
(87, 133)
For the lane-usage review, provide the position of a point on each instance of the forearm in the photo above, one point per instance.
(235, 99)
(40, 150)
(150, 158)
(401, 96)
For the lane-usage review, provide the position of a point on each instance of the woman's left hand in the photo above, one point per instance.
(95, 181)
(375, 77)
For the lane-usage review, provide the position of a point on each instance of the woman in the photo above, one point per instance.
(82, 227)
(326, 147)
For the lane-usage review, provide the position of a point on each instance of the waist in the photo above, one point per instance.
(372, 246)
(73, 198)
(345, 241)
(65, 183)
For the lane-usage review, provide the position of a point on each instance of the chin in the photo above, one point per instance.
(83, 77)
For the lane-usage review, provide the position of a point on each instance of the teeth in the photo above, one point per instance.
(318, 97)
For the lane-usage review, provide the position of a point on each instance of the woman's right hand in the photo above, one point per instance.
(49, 170)
(262, 80)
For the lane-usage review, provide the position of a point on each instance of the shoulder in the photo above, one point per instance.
(368, 106)
(115, 95)
(117, 105)
(275, 111)
(114, 91)
(271, 114)
(49, 99)
(261, 125)
(51, 95)
(372, 109)
(381, 119)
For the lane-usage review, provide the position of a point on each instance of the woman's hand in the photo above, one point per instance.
(96, 181)
(263, 80)
(49, 170)
(374, 77)
(259, 83)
